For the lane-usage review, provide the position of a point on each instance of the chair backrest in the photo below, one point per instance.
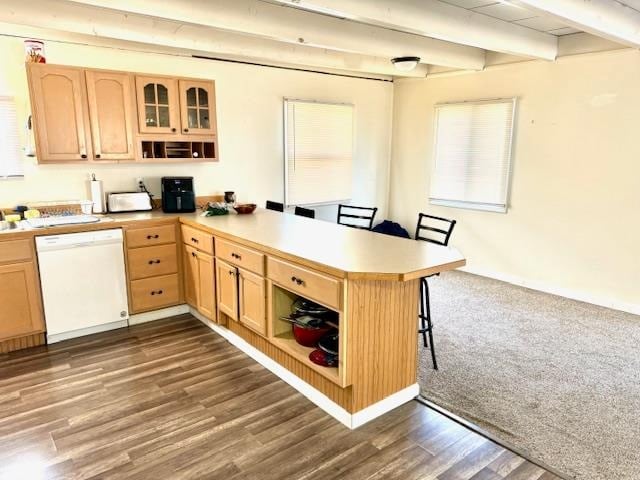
(305, 212)
(441, 228)
(277, 206)
(356, 217)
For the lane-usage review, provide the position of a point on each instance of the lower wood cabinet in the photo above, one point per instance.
(200, 281)
(227, 289)
(21, 312)
(252, 298)
(242, 296)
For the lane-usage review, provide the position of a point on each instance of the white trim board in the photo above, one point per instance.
(633, 308)
(158, 314)
(352, 421)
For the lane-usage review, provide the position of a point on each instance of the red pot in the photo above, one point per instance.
(309, 337)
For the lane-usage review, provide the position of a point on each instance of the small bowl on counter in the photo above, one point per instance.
(245, 208)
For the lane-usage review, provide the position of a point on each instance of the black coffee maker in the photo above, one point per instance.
(178, 195)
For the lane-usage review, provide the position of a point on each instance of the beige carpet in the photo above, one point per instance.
(557, 378)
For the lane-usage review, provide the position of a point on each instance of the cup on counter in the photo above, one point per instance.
(87, 207)
(4, 225)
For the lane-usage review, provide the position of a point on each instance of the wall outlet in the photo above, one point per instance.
(139, 183)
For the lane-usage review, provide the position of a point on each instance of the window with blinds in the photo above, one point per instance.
(10, 155)
(318, 152)
(472, 154)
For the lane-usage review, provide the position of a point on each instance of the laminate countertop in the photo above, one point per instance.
(343, 251)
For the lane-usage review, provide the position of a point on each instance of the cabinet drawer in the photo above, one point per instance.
(152, 261)
(241, 256)
(309, 284)
(16, 251)
(203, 241)
(154, 293)
(145, 237)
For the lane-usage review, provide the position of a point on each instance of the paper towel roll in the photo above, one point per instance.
(97, 195)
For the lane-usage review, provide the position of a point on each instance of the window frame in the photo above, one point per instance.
(11, 100)
(468, 205)
(286, 195)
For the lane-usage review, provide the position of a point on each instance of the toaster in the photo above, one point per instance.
(128, 202)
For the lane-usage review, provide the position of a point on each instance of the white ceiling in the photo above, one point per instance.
(516, 14)
(339, 35)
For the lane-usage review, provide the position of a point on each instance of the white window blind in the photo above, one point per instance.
(318, 152)
(10, 154)
(473, 154)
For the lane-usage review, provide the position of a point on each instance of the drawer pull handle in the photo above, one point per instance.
(235, 255)
(149, 237)
(194, 254)
(195, 240)
(231, 272)
(158, 292)
(151, 262)
(297, 280)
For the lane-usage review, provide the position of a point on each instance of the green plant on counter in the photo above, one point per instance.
(216, 208)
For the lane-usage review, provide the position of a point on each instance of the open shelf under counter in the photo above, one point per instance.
(281, 335)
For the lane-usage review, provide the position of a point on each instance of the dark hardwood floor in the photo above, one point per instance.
(173, 400)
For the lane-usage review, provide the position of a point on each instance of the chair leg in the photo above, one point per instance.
(425, 318)
(423, 311)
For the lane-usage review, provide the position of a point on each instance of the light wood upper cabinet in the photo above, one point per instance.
(252, 297)
(60, 114)
(21, 312)
(158, 104)
(197, 107)
(227, 289)
(110, 99)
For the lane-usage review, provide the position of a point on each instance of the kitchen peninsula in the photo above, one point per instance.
(240, 274)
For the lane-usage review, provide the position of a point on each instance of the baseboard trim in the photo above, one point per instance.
(81, 332)
(350, 420)
(158, 314)
(632, 308)
(480, 431)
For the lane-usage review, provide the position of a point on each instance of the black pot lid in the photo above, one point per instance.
(330, 343)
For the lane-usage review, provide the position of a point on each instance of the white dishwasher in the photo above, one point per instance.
(84, 287)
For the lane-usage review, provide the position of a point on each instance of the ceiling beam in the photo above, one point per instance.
(55, 20)
(439, 20)
(295, 26)
(611, 19)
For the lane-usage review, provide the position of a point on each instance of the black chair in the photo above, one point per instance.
(305, 212)
(438, 232)
(357, 217)
(277, 206)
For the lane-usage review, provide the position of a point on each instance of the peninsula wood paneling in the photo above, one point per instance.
(382, 348)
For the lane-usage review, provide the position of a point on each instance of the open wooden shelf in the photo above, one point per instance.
(178, 150)
(281, 335)
(287, 343)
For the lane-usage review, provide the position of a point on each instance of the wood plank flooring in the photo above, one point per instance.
(171, 399)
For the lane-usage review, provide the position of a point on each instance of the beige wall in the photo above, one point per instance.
(249, 101)
(573, 224)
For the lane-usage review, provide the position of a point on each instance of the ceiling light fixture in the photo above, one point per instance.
(405, 64)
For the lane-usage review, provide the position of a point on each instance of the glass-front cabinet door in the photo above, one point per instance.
(157, 105)
(197, 107)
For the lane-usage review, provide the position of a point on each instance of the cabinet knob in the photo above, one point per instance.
(235, 255)
(97, 155)
(173, 129)
(231, 272)
(186, 130)
(84, 155)
(193, 254)
(297, 281)
(195, 240)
